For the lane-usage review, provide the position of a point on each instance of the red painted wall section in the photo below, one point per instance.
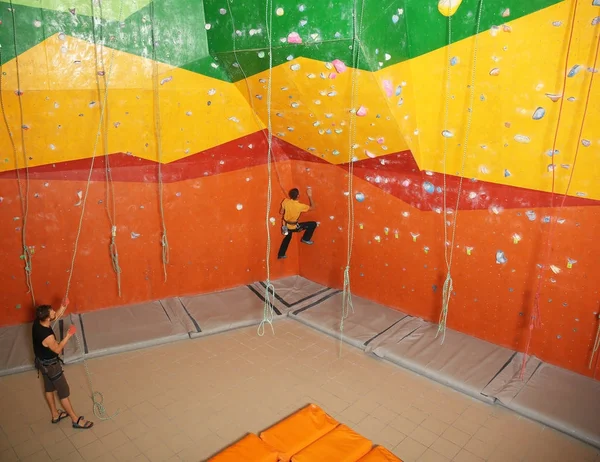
(213, 245)
(491, 300)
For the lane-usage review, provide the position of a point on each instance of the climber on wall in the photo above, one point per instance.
(291, 209)
(48, 362)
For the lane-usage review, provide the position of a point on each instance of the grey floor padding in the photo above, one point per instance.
(462, 362)
(558, 398)
(366, 322)
(293, 293)
(16, 353)
(131, 327)
(222, 311)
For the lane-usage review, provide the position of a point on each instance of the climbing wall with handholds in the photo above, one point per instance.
(450, 141)
(166, 103)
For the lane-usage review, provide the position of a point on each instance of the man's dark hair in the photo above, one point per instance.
(294, 193)
(42, 312)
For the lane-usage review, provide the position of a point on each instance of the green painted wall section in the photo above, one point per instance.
(111, 9)
(180, 33)
(199, 36)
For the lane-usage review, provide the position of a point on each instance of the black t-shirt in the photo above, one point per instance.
(39, 334)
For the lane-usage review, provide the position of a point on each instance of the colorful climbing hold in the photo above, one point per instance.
(448, 7)
(294, 37)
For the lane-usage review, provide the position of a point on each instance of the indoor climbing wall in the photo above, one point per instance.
(499, 124)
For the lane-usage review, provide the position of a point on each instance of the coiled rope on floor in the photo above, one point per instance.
(26, 256)
(268, 312)
(449, 253)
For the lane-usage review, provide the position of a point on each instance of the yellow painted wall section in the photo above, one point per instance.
(310, 104)
(61, 106)
(529, 56)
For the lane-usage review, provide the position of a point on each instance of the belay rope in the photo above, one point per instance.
(96, 397)
(449, 254)
(164, 241)
(24, 198)
(347, 305)
(110, 205)
(268, 312)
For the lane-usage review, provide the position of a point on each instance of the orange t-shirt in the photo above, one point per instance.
(292, 210)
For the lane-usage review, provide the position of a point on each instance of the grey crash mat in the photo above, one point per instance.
(222, 311)
(131, 327)
(293, 293)
(462, 362)
(558, 398)
(366, 322)
(16, 353)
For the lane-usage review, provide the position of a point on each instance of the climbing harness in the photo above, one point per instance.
(347, 305)
(24, 198)
(268, 311)
(449, 253)
(535, 320)
(164, 241)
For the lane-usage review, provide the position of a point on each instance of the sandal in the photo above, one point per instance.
(61, 415)
(87, 425)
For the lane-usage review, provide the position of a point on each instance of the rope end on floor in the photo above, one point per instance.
(347, 305)
(268, 311)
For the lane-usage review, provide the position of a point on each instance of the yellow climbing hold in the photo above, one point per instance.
(448, 7)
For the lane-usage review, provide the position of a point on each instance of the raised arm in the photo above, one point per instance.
(310, 198)
(58, 347)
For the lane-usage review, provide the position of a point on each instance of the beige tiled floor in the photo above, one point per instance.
(185, 401)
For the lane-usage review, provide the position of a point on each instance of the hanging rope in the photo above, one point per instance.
(248, 88)
(157, 124)
(596, 344)
(96, 396)
(347, 305)
(449, 253)
(24, 197)
(268, 312)
(110, 205)
(535, 320)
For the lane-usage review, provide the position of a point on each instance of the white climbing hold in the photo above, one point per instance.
(553, 97)
(506, 13)
(207, 26)
(447, 134)
(370, 154)
(239, 206)
(295, 67)
(211, 92)
(495, 71)
(522, 139)
(223, 11)
(279, 11)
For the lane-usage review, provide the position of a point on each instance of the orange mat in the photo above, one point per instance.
(379, 454)
(298, 431)
(249, 449)
(341, 444)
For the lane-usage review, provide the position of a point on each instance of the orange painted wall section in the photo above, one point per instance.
(491, 301)
(213, 245)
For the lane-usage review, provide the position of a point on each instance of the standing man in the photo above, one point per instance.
(291, 209)
(48, 362)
